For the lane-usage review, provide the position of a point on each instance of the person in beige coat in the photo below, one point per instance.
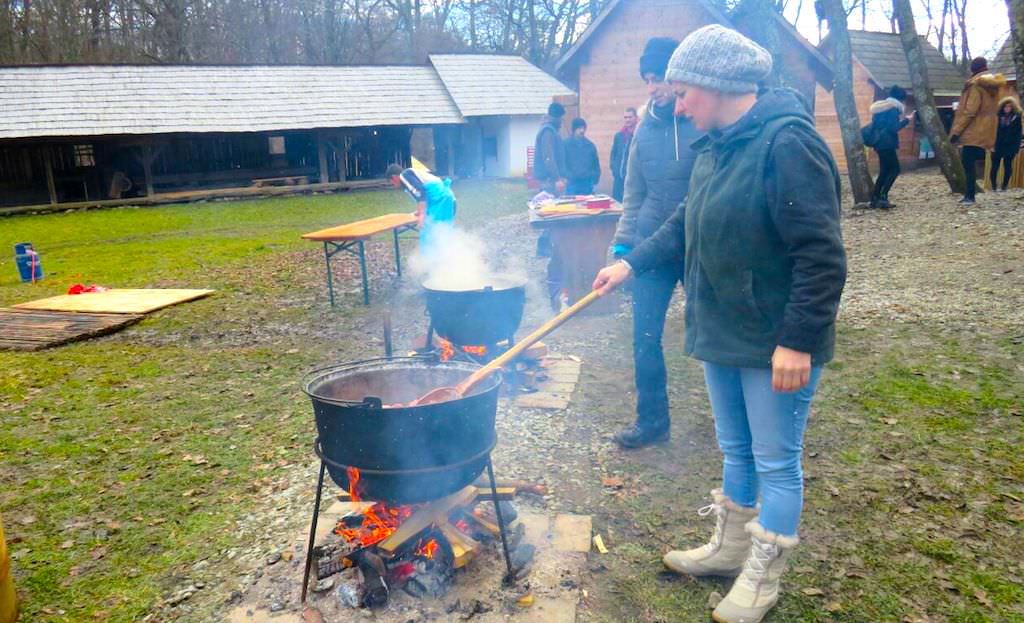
(974, 126)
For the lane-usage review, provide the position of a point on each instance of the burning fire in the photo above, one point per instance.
(448, 350)
(379, 522)
(353, 483)
(428, 549)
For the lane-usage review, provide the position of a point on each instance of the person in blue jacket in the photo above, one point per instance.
(887, 119)
(435, 202)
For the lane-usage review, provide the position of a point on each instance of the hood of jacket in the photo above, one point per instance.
(988, 81)
(1009, 99)
(771, 105)
(888, 103)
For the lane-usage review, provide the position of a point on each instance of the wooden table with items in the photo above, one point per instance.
(580, 237)
(351, 238)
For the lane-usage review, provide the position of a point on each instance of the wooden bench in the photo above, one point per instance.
(353, 236)
(287, 180)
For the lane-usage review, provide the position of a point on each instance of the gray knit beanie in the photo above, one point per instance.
(719, 59)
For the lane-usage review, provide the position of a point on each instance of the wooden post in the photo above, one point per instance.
(147, 167)
(50, 186)
(321, 150)
(450, 143)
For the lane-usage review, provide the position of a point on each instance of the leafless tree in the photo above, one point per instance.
(846, 106)
(945, 152)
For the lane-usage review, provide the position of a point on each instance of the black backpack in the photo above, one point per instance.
(869, 135)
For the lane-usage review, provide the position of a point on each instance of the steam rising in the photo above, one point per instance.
(457, 260)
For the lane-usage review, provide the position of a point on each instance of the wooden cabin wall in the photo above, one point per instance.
(826, 119)
(609, 75)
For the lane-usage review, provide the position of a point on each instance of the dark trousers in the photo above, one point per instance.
(618, 188)
(970, 156)
(652, 292)
(888, 171)
(1006, 158)
(579, 187)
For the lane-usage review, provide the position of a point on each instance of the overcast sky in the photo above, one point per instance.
(987, 22)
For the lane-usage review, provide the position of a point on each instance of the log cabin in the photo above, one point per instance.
(603, 63)
(879, 63)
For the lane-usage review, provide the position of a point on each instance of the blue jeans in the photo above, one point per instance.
(761, 434)
(652, 292)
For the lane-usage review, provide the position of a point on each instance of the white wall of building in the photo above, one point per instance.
(504, 140)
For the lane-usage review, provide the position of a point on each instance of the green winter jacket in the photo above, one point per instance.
(764, 257)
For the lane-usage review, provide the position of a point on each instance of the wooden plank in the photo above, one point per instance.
(34, 330)
(572, 533)
(434, 513)
(50, 186)
(361, 230)
(116, 301)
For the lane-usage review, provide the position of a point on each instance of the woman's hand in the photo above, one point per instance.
(791, 369)
(611, 276)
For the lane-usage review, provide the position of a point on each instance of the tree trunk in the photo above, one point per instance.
(846, 106)
(949, 159)
(1016, 10)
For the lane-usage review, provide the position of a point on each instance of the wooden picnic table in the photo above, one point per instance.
(351, 238)
(580, 240)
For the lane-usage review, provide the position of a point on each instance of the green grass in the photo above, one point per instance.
(125, 460)
(921, 438)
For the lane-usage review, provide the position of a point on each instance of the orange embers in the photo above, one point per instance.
(479, 351)
(428, 549)
(448, 350)
(379, 521)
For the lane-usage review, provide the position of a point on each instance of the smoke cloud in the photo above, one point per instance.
(458, 260)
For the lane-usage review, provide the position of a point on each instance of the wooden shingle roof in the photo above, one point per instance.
(102, 100)
(882, 55)
(1003, 63)
(485, 84)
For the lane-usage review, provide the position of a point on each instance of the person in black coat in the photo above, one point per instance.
(582, 166)
(1007, 140)
(887, 119)
(620, 152)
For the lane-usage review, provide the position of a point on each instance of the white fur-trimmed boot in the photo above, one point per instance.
(729, 546)
(756, 589)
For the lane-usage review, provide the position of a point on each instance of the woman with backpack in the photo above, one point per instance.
(883, 135)
(1007, 141)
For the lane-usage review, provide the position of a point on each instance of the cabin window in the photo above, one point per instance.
(85, 156)
(276, 145)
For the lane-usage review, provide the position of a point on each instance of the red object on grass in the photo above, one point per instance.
(78, 288)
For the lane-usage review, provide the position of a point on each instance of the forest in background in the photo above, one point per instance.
(285, 31)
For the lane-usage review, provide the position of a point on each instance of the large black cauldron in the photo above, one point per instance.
(405, 454)
(478, 316)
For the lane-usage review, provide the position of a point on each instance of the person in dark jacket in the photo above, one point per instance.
(887, 119)
(1007, 140)
(620, 152)
(657, 180)
(549, 152)
(549, 170)
(582, 166)
(765, 269)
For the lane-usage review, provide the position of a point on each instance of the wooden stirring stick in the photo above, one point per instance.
(444, 394)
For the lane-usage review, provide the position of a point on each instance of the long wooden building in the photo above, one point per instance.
(94, 133)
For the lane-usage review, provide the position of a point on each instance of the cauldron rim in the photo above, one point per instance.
(315, 379)
(498, 283)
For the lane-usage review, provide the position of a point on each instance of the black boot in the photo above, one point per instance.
(636, 437)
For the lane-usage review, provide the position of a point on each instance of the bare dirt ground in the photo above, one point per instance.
(913, 464)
